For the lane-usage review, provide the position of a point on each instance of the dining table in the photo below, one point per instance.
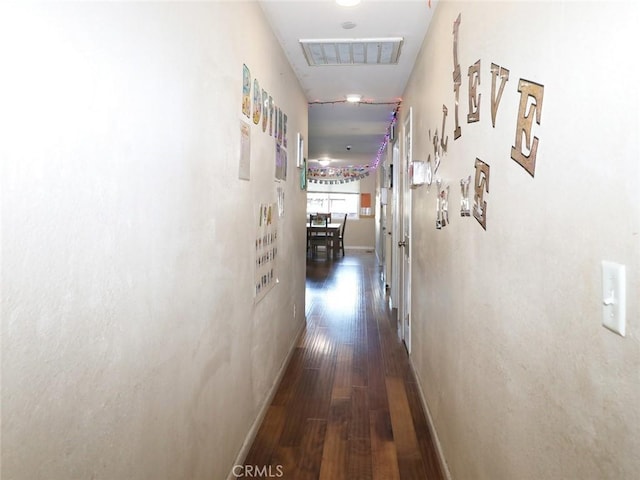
(333, 229)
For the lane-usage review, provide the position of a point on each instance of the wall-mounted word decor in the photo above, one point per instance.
(534, 92)
(481, 185)
(465, 205)
(525, 148)
(263, 107)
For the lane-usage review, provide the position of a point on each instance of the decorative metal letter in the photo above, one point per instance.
(503, 73)
(436, 151)
(443, 142)
(442, 205)
(474, 96)
(481, 186)
(457, 77)
(465, 208)
(535, 92)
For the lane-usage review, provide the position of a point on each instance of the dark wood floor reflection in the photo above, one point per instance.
(348, 406)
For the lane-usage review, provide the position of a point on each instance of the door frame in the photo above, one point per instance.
(405, 245)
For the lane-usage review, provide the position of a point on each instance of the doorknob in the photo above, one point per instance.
(402, 244)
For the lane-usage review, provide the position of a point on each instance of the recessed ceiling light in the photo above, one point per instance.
(347, 3)
(324, 162)
(348, 25)
(354, 98)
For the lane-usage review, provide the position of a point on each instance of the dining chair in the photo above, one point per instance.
(321, 217)
(319, 236)
(341, 235)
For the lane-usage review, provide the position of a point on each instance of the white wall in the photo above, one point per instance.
(520, 378)
(131, 346)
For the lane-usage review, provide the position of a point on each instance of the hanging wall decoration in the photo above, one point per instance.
(420, 173)
(266, 250)
(281, 162)
(481, 185)
(330, 175)
(280, 193)
(244, 170)
(531, 95)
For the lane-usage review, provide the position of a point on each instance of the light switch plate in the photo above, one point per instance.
(614, 297)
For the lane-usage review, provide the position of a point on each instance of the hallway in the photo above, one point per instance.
(348, 406)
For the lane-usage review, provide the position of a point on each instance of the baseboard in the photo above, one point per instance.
(352, 247)
(253, 431)
(432, 429)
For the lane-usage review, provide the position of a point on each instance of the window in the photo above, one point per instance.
(335, 203)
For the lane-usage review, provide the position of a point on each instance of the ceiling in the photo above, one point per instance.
(349, 134)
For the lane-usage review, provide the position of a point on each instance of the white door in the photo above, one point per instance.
(396, 231)
(404, 244)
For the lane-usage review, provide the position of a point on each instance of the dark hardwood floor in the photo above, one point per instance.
(348, 406)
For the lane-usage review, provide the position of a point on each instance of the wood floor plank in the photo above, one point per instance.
(343, 377)
(359, 424)
(334, 453)
(426, 442)
(384, 457)
(311, 453)
(297, 409)
(359, 459)
(404, 434)
(268, 436)
(290, 379)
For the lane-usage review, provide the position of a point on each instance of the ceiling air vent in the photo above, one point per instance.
(352, 51)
